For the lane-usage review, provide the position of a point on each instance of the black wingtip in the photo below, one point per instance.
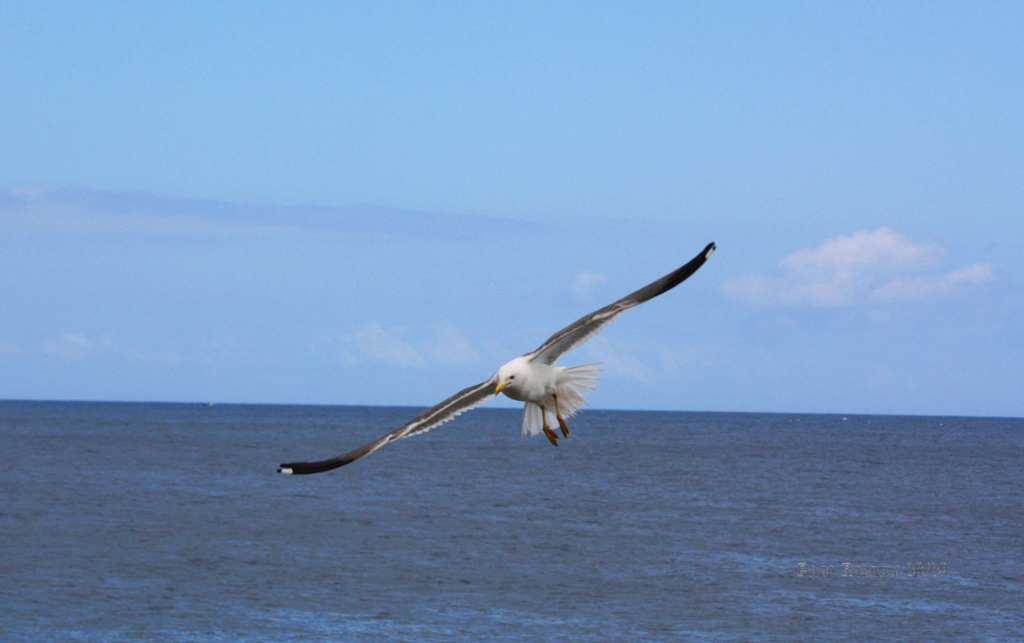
(319, 466)
(709, 250)
(306, 468)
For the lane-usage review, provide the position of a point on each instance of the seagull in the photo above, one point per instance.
(533, 378)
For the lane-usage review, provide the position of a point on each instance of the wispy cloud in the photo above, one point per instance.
(585, 282)
(376, 343)
(78, 211)
(617, 360)
(75, 346)
(88, 212)
(871, 265)
(450, 346)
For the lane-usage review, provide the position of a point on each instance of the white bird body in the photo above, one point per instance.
(545, 389)
(526, 381)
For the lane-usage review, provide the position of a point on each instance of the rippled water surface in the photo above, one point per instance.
(132, 521)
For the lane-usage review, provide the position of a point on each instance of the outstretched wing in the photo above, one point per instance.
(464, 400)
(578, 331)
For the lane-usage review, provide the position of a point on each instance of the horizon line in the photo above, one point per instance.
(209, 403)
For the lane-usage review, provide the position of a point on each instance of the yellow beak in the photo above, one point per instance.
(499, 388)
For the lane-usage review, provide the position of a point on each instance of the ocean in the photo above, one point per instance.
(133, 522)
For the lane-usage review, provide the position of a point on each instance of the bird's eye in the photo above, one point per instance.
(511, 377)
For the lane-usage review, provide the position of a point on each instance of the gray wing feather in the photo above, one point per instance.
(464, 400)
(581, 329)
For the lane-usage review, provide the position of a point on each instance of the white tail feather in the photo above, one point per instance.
(532, 420)
(573, 384)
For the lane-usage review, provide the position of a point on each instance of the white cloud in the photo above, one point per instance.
(882, 249)
(585, 282)
(879, 265)
(933, 286)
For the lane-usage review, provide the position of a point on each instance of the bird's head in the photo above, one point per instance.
(510, 376)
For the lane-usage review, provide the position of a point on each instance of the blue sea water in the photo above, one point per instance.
(167, 521)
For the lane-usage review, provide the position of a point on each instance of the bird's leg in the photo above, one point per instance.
(561, 420)
(552, 438)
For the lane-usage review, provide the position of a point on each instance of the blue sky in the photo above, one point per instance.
(380, 203)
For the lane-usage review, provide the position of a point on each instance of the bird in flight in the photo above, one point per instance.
(546, 390)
